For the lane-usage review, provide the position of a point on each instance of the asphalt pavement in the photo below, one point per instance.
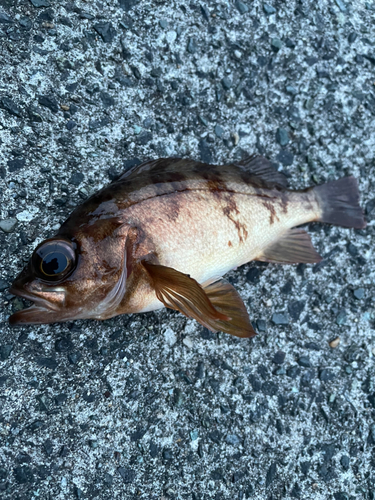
(153, 406)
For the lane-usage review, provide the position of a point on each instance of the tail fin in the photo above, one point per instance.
(339, 201)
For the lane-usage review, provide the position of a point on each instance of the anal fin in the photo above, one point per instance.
(292, 247)
(217, 306)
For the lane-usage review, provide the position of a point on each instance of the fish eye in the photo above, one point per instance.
(54, 259)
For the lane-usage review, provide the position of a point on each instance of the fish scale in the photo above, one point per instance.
(201, 240)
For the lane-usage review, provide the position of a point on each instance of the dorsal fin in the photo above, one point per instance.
(262, 168)
(254, 169)
(160, 165)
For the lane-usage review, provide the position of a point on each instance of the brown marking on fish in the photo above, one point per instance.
(214, 182)
(166, 177)
(306, 200)
(175, 177)
(174, 202)
(138, 247)
(284, 201)
(100, 228)
(215, 189)
(241, 228)
(270, 206)
(155, 178)
(230, 244)
(230, 210)
(230, 199)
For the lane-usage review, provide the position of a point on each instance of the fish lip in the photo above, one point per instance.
(38, 301)
(37, 313)
(21, 292)
(33, 315)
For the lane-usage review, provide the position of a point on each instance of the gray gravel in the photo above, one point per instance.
(153, 406)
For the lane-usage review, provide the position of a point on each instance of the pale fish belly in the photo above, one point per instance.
(206, 236)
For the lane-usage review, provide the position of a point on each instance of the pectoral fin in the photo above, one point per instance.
(217, 307)
(226, 299)
(293, 246)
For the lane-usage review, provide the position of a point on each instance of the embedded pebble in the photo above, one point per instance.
(170, 337)
(341, 318)
(276, 44)
(233, 439)
(241, 7)
(171, 36)
(359, 293)
(188, 342)
(335, 342)
(192, 46)
(27, 215)
(304, 361)
(269, 9)
(219, 131)
(279, 357)
(282, 136)
(8, 225)
(3, 285)
(226, 83)
(280, 319)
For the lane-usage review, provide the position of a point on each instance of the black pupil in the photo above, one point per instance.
(54, 263)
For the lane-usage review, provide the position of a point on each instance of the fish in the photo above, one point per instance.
(165, 233)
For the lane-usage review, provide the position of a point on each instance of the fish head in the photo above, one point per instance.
(78, 277)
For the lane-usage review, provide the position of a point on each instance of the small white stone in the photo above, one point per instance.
(27, 215)
(236, 138)
(8, 225)
(188, 342)
(170, 337)
(171, 36)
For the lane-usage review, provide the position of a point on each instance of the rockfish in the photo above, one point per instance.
(167, 231)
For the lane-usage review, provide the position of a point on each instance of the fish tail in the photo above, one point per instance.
(339, 203)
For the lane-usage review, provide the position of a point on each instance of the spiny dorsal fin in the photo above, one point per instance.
(256, 168)
(137, 169)
(262, 168)
(217, 307)
(292, 247)
(172, 164)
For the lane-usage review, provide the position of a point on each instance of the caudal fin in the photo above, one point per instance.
(339, 201)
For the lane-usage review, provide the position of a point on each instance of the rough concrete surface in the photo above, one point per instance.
(153, 406)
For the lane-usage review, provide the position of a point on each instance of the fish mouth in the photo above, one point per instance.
(41, 312)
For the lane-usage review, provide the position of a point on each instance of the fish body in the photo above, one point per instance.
(166, 232)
